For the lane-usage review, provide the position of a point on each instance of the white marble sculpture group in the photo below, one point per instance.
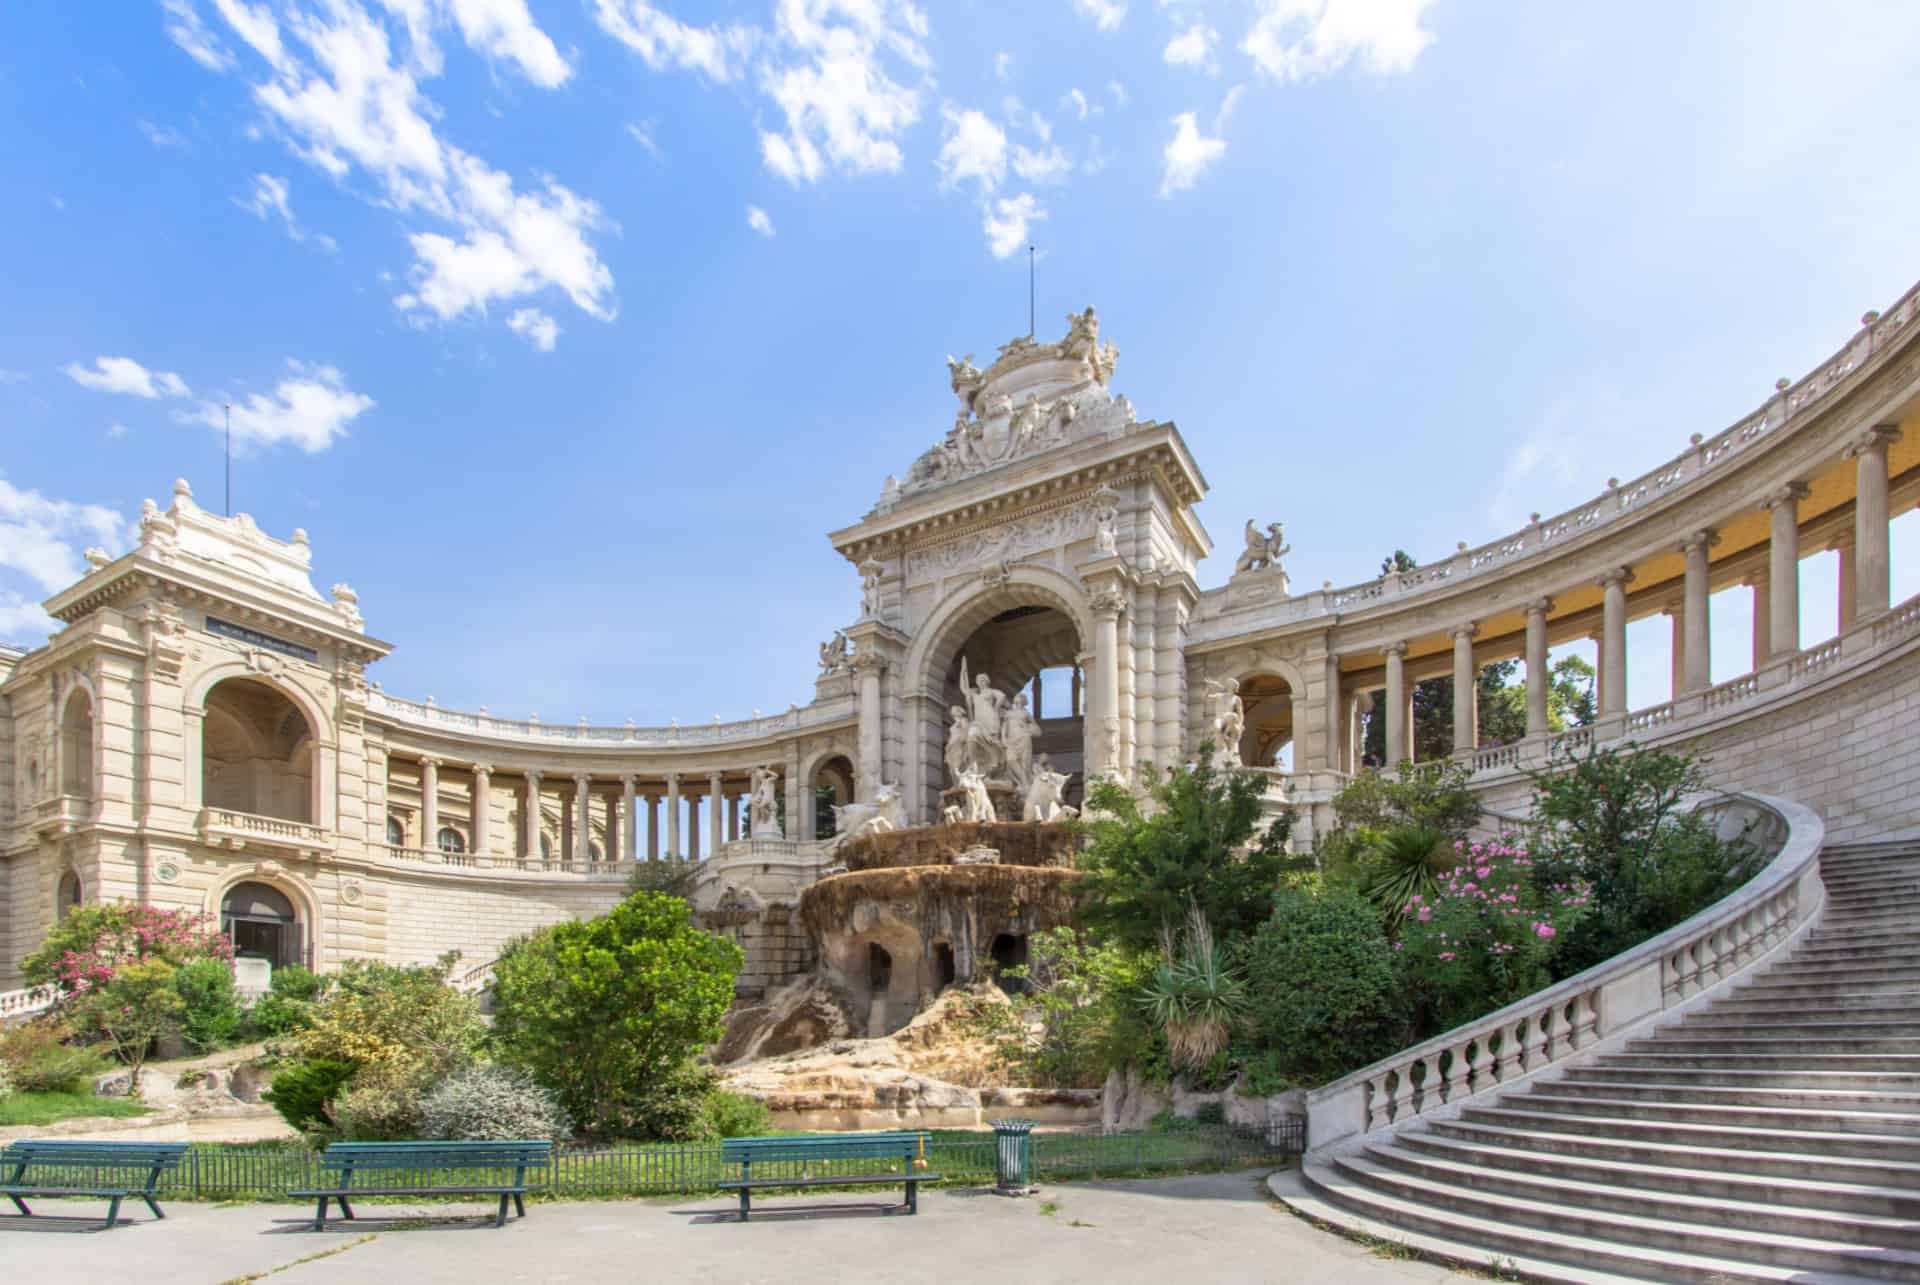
(990, 744)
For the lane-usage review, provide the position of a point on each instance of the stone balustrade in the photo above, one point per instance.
(224, 827)
(17, 1005)
(1622, 997)
(469, 862)
(427, 715)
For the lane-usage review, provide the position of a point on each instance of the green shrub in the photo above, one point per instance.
(1326, 997)
(38, 1059)
(607, 1012)
(737, 1115)
(211, 1014)
(1076, 1017)
(382, 1104)
(275, 1014)
(6, 1081)
(135, 1007)
(404, 1019)
(291, 981)
(490, 1103)
(303, 1092)
(1402, 864)
(1214, 1113)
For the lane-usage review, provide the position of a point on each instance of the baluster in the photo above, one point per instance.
(1483, 1078)
(1459, 1073)
(1402, 1099)
(1513, 1051)
(1536, 1053)
(1587, 1022)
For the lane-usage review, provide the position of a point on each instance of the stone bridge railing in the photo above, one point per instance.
(1607, 1003)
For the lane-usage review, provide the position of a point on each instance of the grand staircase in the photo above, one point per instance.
(1773, 1136)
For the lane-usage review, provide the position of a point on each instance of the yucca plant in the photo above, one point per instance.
(1193, 995)
(1411, 860)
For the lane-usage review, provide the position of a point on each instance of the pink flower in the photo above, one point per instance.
(1543, 931)
(1426, 913)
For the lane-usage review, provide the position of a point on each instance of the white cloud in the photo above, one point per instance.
(344, 103)
(1106, 14)
(116, 430)
(1079, 101)
(1050, 166)
(758, 220)
(126, 376)
(1002, 64)
(975, 148)
(310, 408)
(38, 537)
(504, 29)
(1227, 105)
(642, 132)
(1119, 92)
(1188, 155)
(1193, 48)
(1007, 223)
(160, 137)
(536, 327)
(269, 198)
(829, 79)
(186, 30)
(1295, 40)
(661, 41)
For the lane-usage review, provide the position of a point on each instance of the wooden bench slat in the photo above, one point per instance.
(850, 1180)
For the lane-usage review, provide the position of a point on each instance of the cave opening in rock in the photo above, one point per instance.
(943, 969)
(1009, 951)
(879, 968)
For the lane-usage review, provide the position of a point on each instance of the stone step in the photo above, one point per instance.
(1866, 1146)
(1879, 1063)
(1760, 1206)
(1787, 978)
(1578, 1085)
(1798, 1119)
(1719, 1077)
(1877, 1022)
(1850, 1003)
(1689, 1040)
(1862, 1170)
(1886, 919)
(1326, 1196)
(1695, 1179)
(1888, 938)
(1879, 969)
(1611, 1228)
(1843, 951)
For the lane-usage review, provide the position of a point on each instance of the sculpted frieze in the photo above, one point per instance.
(1006, 542)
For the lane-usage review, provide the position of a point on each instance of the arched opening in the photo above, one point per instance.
(256, 752)
(1004, 714)
(260, 920)
(832, 788)
(396, 832)
(879, 968)
(943, 965)
(76, 745)
(1009, 951)
(451, 840)
(68, 896)
(1268, 739)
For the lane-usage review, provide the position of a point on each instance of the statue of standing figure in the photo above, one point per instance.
(763, 809)
(1229, 722)
(1017, 742)
(957, 733)
(986, 709)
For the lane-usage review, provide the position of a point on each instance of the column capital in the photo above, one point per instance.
(867, 662)
(1539, 606)
(714, 779)
(1705, 537)
(1622, 576)
(429, 760)
(1789, 494)
(1877, 438)
(1467, 630)
(583, 780)
(481, 769)
(1395, 649)
(673, 780)
(1108, 603)
(533, 777)
(626, 781)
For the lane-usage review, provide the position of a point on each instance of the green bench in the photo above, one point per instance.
(779, 1158)
(355, 1169)
(111, 1171)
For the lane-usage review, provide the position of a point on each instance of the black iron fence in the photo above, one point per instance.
(265, 1170)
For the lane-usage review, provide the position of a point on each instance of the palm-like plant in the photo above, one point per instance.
(1411, 860)
(1193, 995)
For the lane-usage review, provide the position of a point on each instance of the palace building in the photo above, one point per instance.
(207, 730)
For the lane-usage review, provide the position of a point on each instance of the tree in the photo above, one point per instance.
(610, 1011)
(129, 1012)
(83, 950)
(1202, 846)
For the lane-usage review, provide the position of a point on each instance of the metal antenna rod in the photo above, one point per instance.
(228, 407)
(1029, 292)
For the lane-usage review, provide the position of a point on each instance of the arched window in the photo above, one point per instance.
(546, 848)
(256, 752)
(68, 896)
(76, 745)
(396, 832)
(593, 851)
(261, 921)
(451, 840)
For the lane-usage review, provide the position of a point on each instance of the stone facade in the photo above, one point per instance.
(203, 731)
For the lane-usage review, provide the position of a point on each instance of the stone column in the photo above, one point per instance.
(868, 666)
(614, 847)
(1783, 568)
(716, 811)
(1466, 692)
(1613, 642)
(1399, 725)
(1036, 696)
(1676, 651)
(1872, 580)
(530, 817)
(1696, 672)
(1762, 619)
(653, 827)
(693, 827)
(1107, 605)
(481, 808)
(1843, 551)
(430, 803)
(630, 822)
(673, 816)
(733, 817)
(1539, 675)
(1073, 693)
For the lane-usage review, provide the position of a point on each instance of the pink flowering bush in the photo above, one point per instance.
(1484, 937)
(84, 951)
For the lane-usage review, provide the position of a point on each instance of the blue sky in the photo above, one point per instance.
(567, 329)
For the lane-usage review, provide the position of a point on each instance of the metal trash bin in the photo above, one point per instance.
(1013, 1157)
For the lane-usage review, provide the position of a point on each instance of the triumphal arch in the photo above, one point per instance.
(208, 730)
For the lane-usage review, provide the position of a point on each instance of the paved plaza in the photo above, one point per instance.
(1216, 1227)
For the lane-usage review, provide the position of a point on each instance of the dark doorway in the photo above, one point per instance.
(943, 970)
(879, 968)
(261, 922)
(1009, 951)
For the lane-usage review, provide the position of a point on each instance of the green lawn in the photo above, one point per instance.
(45, 1108)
